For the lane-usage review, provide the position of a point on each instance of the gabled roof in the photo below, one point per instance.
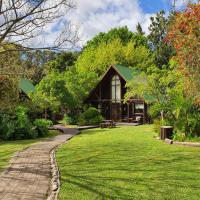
(126, 73)
(26, 86)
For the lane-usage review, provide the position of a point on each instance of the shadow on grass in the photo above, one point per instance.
(131, 167)
(113, 176)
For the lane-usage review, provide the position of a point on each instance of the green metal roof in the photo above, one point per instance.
(127, 73)
(26, 86)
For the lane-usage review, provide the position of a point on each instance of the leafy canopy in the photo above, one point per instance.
(184, 34)
(158, 30)
(98, 59)
(122, 34)
(52, 93)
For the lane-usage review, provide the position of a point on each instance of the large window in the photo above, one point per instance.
(139, 108)
(116, 89)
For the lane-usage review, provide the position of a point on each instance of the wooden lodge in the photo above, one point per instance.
(108, 97)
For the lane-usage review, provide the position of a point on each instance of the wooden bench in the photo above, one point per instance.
(138, 120)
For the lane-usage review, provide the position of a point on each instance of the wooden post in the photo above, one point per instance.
(128, 111)
(144, 113)
(166, 132)
(100, 92)
(110, 109)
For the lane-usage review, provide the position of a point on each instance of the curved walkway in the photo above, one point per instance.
(29, 174)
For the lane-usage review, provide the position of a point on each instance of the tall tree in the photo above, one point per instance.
(52, 93)
(117, 46)
(8, 92)
(34, 62)
(123, 34)
(139, 29)
(158, 31)
(62, 62)
(184, 34)
(98, 59)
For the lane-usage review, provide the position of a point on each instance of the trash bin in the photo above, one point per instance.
(166, 132)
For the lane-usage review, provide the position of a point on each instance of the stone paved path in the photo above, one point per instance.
(28, 177)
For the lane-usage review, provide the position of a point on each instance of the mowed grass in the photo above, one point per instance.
(8, 148)
(127, 163)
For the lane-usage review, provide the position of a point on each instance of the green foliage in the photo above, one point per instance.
(118, 46)
(42, 126)
(34, 62)
(7, 126)
(52, 93)
(182, 137)
(62, 62)
(139, 29)
(80, 83)
(98, 59)
(187, 118)
(9, 93)
(163, 90)
(157, 123)
(23, 126)
(17, 126)
(43, 122)
(122, 34)
(158, 31)
(91, 116)
(67, 120)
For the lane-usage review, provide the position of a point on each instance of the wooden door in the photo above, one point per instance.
(116, 111)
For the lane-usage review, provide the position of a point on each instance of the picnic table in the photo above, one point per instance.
(107, 124)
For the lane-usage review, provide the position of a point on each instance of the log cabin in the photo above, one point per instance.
(108, 97)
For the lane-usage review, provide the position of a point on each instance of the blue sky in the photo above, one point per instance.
(152, 6)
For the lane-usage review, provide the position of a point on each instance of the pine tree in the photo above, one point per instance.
(139, 29)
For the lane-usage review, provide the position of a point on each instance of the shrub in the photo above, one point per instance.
(192, 126)
(42, 126)
(91, 116)
(67, 120)
(181, 137)
(23, 126)
(16, 126)
(7, 126)
(43, 122)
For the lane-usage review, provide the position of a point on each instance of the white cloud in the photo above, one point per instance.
(100, 16)
(94, 16)
(179, 4)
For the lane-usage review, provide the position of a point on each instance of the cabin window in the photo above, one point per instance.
(116, 89)
(139, 108)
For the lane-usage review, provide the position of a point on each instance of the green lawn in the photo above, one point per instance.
(7, 149)
(127, 163)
